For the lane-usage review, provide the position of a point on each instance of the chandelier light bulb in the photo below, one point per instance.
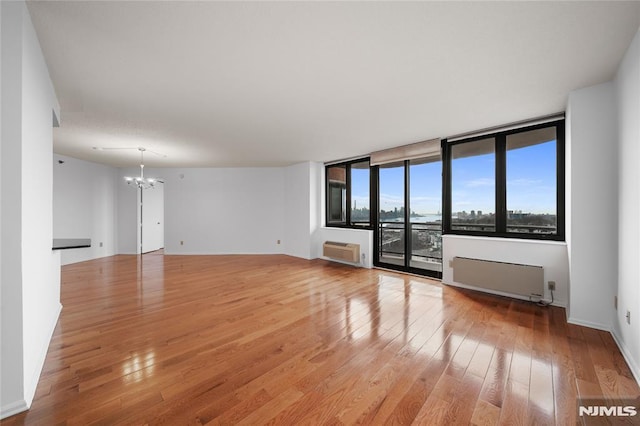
(140, 181)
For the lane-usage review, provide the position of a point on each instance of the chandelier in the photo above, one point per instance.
(141, 181)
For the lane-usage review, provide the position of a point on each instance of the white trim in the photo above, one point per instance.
(505, 239)
(13, 408)
(589, 324)
(32, 383)
(635, 369)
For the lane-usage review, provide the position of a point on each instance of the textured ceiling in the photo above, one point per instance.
(262, 84)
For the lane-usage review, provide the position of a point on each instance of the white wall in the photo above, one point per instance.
(363, 237)
(11, 347)
(317, 218)
(593, 200)
(551, 255)
(84, 206)
(297, 205)
(128, 213)
(627, 91)
(41, 293)
(224, 210)
(30, 274)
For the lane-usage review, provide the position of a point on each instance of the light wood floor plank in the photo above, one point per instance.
(225, 340)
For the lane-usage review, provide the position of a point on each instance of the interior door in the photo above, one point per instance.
(153, 218)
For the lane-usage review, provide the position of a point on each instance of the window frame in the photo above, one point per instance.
(347, 223)
(501, 212)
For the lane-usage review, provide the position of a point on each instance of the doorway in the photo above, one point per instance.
(152, 218)
(408, 224)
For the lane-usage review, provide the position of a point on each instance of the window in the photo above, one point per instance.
(473, 195)
(360, 194)
(531, 181)
(349, 194)
(336, 194)
(507, 184)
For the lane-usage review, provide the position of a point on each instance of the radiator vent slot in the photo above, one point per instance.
(341, 251)
(513, 278)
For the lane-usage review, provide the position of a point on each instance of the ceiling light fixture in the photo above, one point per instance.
(140, 181)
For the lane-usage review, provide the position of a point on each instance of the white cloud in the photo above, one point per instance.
(524, 182)
(480, 182)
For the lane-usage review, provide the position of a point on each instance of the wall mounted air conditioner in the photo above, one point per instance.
(341, 251)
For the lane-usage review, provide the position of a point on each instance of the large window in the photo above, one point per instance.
(349, 194)
(508, 183)
(532, 181)
(473, 182)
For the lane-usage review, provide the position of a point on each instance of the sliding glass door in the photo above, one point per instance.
(391, 214)
(425, 224)
(409, 221)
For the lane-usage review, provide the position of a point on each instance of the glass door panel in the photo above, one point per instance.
(391, 214)
(425, 225)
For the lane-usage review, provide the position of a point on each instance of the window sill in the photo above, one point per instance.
(514, 240)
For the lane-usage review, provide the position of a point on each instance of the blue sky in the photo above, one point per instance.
(531, 178)
(531, 174)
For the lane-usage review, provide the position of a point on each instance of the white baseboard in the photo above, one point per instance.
(589, 324)
(24, 404)
(12, 408)
(635, 370)
(633, 366)
(32, 383)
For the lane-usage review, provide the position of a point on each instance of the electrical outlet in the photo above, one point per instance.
(552, 285)
(628, 317)
(278, 241)
(100, 243)
(615, 302)
(181, 243)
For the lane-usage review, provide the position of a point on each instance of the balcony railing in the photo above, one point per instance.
(426, 240)
(491, 227)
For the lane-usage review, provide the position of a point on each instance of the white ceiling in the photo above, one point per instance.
(275, 83)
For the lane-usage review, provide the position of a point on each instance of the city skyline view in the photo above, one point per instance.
(531, 183)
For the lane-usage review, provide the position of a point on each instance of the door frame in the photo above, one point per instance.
(375, 203)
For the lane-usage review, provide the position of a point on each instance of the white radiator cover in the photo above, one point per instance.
(341, 251)
(513, 278)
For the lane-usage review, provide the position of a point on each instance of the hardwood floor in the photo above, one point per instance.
(279, 340)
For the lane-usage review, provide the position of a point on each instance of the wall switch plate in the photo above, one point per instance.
(181, 243)
(100, 243)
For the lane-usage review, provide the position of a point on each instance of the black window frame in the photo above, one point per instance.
(501, 212)
(347, 223)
